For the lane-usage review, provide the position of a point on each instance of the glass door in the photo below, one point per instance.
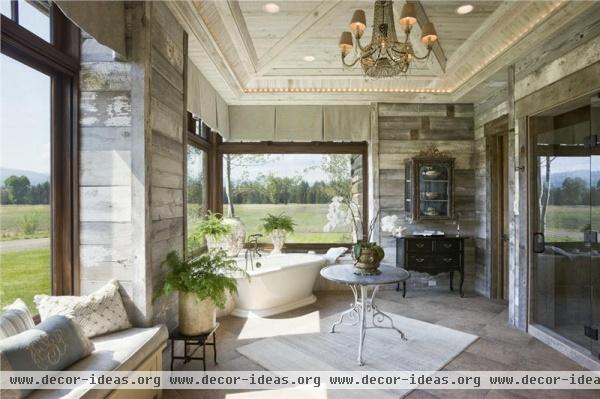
(562, 228)
(595, 217)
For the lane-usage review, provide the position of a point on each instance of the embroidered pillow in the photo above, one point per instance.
(99, 313)
(52, 345)
(15, 319)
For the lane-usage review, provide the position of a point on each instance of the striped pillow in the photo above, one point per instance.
(15, 319)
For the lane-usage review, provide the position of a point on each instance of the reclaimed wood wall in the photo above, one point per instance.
(132, 160)
(403, 131)
(106, 175)
(166, 152)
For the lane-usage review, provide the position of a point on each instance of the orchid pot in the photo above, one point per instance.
(367, 258)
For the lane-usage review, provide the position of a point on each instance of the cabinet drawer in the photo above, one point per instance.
(443, 246)
(422, 246)
(447, 261)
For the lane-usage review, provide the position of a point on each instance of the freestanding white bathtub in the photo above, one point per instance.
(282, 282)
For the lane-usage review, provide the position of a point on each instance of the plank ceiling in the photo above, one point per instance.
(251, 56)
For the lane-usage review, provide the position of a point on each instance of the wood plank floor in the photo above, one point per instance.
(499, 347)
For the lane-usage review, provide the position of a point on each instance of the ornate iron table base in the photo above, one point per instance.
(363, 305)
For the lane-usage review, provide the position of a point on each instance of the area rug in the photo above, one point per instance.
(429, 347)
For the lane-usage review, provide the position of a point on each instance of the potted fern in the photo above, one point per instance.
(214, 229)
(204, 283)
(278, 227)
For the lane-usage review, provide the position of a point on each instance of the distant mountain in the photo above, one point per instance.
(34, 177)
(557, 178)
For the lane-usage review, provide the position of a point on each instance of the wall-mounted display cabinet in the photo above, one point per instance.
(429, 191)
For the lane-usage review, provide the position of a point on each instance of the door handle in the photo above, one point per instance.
(539, 243)
(590, 237)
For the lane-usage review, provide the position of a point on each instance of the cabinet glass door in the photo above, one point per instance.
(562, 228)
(434, 189)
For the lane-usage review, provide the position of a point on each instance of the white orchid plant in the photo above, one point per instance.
(390, 224)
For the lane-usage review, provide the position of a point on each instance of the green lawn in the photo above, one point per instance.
(24, 274)
(566, 223)
(13, 221)
(309, 220)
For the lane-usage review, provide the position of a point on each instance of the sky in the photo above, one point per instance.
(25, 105)
(307, 166)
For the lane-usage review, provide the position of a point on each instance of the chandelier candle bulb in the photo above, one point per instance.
(407, 16)
(358, 24)
(429, 35)
(345, 43)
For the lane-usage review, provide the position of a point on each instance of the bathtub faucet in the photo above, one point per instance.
(252, 251)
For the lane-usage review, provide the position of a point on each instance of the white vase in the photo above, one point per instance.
(195, 316)
(234, 243)
(278, 237)
(213, 242)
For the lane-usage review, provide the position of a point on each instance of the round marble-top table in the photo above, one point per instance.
(363, 302)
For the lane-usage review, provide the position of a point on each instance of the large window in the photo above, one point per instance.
(39, 66)
(196, 191)
(303, 181)
(201, 144)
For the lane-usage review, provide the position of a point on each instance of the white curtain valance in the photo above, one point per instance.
(103, 20)
(193, 85)
(251, 122)
(204, 102)
(346, 122)
(222, 117)
(299, 123)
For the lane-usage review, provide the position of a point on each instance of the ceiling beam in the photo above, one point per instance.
(423, 19)
(563, 14)
(306, 25)
(231, 14)
(191, 21)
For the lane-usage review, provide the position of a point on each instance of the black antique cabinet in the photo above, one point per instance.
(431, 255)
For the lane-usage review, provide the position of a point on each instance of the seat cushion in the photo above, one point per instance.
(121, 351)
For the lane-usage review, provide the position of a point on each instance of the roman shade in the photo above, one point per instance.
(203, 101)
(251, 122)
(193, 86)
(346, 122)
(298, 123)
(104, 20)
(222, 117)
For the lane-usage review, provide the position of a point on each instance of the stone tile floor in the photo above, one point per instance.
(499, 347)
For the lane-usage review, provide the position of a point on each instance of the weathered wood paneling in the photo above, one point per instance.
(105, 108)
(105, 168)
(105, 204)
(105, 76)
(403, 131)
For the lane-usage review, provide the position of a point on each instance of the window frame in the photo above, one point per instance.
(209, 146)
(314, 147)
(60, 60)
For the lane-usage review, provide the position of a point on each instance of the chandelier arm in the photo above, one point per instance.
(360, 47)
(395, 61)
(425, 56)
(352, 63)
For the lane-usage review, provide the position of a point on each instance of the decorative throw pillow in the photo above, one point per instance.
(99, 313)
(15, 319)
(333, 254)
(52, 345)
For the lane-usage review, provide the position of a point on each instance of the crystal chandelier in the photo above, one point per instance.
(385, 56)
